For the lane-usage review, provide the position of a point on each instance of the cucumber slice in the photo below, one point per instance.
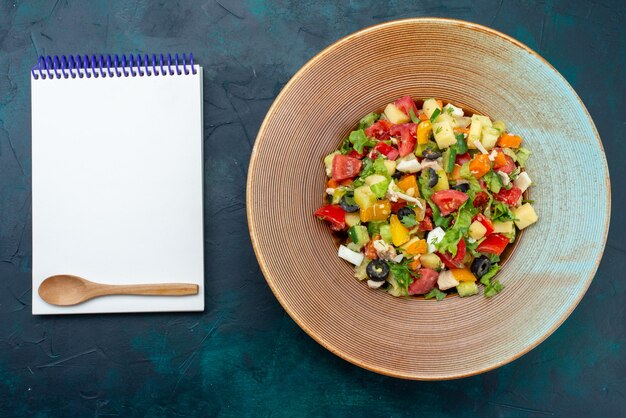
(359, 236)
(467, 289)
(385, 233)
(353, 218)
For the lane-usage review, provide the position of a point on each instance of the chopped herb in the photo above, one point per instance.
(435, 293)
(522, 155)
(368, 168)
(531, 201)
(436, 113)
(492, 272)
(403, 277)
(359, 140)
(345, 147)
(492, 287)
(413, 117)
(409, 220)
(439, 128)
(461, 144)
(493, 258)
(493, 180)
(368, 120)
(450, 240)
(380, 167)
(501, 212)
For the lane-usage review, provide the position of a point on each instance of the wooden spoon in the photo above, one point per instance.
(66, 290)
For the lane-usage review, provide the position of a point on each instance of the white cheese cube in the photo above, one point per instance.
(523, 181)
(446, 280)
(353, 257)
(434, 237)
(408, 164)
(453, 110)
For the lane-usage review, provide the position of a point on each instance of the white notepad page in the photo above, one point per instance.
(117, 187)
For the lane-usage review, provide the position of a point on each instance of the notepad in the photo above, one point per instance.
(117, 177)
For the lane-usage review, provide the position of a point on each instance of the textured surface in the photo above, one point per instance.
(244, 354)
(473, 68)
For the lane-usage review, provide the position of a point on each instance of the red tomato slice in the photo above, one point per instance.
(405, 104)
(426, 224)
(510, 197)
(407, 139)
(396, 206)
(384, 149)
(334, 215)
(355, 154)
(485, 221)
(455, 262)
(480, 199)
(493, 244)
(379, 130)
(463, 158)
(425, 283)
(449, 200)
(507, 168)
(345, 167)
(429, 211)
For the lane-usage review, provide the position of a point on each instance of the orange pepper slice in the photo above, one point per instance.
(408, 183)
(500, 160)
(509, 141)
(415, 264)
(456, 172)
(379, 211)
(418, 247)
(463, 275)
(480, 165)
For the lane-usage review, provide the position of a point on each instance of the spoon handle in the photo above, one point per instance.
(156, 289)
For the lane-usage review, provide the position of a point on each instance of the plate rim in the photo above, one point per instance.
(261, 261)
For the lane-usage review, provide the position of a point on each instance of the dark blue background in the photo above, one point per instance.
(244, 355)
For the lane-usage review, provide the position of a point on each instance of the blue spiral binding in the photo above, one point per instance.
(76, 66)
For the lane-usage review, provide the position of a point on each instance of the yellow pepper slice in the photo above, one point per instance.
(424, 129)
(379, 211)
(399, 232)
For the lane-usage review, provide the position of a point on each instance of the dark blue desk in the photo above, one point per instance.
(244, 355)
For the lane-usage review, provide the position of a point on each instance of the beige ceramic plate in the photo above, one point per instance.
(479, 69)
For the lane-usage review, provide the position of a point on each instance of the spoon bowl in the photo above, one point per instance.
(67, 290)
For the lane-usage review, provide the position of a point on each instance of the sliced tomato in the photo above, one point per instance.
(405, 104)
(449, 200)
(370, 251)
(455, 262)
(396, 206)
(334, 215)
(429, 211)
(481, 199)
(508, 167)
(493, 244)
(486, 222)
(407, 140)
(345, 167)
(355, 154)
(379, 130)
(385, 149)
(463, 158)
(424, 283)
(510, 197)
(426, 224)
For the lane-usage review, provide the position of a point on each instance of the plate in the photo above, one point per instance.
(482, 70)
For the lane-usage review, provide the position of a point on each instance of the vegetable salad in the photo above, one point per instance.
(426, 198)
